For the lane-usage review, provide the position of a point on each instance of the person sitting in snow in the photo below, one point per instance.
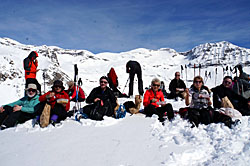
(200, 110)
(224, 92)
(72, 92)
(177, 87)
(59, 101)
(21, 110)
(101, 100)
(154, 102)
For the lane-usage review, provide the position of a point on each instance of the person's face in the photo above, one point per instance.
(103, 83)
(227, 83)
(58, 89)
(155, 86)
(198, 83)
(177, 75)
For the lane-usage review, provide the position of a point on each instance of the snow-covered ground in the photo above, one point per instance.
(133, 140)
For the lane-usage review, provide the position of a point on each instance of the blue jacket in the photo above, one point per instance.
(27, 105)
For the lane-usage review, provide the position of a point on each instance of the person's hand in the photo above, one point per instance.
(1, 109)
(96, 99)
(177, 89)
(187, 91)
(17, 108)
(52, 94)
(153, 100)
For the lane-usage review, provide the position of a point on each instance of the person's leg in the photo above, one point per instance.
(25, 117)
(131, 83)
(172, 95)
(149, 110)
(5, 113)
(140, 83)
(170, 111)
(59, 111)
(11, 120)
(194, 117)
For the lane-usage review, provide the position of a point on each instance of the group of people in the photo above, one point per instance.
(103, 102)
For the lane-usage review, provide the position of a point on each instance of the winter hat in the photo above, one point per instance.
(104, 77)
(58, 83)
(70, 83)
(31, 86)
(33, 54)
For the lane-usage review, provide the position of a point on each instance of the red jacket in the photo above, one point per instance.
(32, 73)
(30, 65)
(52, 100)
(149, 95)
(72, 93)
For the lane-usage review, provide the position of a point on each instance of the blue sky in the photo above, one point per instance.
(122, 25)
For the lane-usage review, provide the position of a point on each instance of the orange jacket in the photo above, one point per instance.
(149, 95)
(32, 73)
(30, 65)
(52, 100)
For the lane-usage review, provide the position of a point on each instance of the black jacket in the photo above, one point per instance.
(176, 84)
(221, 91)
(133, 67)
(106, 96)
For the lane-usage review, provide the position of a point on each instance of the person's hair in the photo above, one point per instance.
(104, 77)
(176, 73)
(155, 80)
(227, 77)
(198, 77)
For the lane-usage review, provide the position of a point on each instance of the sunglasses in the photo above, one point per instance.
(156, 85)
(197, 82)
(227, 82)
(31, 90)
(177, 75)
(57, 87)
(104, 82)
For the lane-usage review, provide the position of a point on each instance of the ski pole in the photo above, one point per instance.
(125, 85)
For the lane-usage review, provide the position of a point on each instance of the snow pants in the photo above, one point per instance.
(160, 111)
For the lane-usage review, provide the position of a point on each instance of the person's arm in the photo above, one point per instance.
(18, 102)
(31, 107)
(91, 97)
(187, 97)
(68, 104)
(172, 87)
(146, 99)
(44, 97)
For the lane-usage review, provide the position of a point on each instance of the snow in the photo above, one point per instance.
(133, 140)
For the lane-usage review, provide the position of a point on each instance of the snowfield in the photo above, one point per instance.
(131, 141)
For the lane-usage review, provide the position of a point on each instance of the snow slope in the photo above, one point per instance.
(133, 140)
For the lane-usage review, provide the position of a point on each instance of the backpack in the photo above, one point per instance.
(113, 79)
(26, 64)
(121, 112)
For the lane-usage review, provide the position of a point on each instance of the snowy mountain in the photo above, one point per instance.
(133, 140)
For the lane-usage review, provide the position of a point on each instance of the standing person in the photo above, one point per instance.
(200, 110)
(154, 102)
(59, 101)
(177, 87)
(225, 90)
(101, 100)
(21, 110)
(30, 65)
(243, 75)
(133, 67)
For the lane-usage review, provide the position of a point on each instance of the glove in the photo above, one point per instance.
(153, 100)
